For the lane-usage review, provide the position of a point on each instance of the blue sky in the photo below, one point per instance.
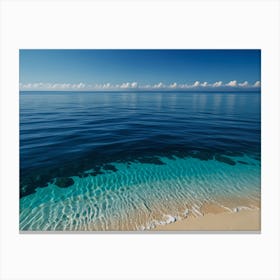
(138, 69)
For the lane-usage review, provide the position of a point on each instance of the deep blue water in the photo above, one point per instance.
(73, 144)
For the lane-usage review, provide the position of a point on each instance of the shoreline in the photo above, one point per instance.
(235, 214)
(242, 220)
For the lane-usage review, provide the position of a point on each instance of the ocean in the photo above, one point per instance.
(134, 160)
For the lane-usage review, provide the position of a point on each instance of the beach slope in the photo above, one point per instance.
(244, 220)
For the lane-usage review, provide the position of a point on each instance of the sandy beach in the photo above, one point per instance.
(243, 220)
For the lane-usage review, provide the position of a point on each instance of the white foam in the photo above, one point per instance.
(239, 208)
(186, 213)
(168, 219)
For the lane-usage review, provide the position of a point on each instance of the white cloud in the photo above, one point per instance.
(50, 86)
(106, 86)
(159, 85)
(196, 84)
(183, 86)
(232, 83)
(66, 86)
(244, 84)
(37, 85)
(134, 85)
(81, 85)
(125, 85)
(131, 85)
(174, 85)
(217, 84)
(148, 86)
(97, 86)
(27, 86)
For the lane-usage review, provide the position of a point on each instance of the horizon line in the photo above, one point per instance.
(152, 90)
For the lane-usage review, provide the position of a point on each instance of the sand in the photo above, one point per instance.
(243, 220)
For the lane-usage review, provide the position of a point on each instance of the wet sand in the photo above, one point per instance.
(242, 220)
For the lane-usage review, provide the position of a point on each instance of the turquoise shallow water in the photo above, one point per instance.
(141, 195)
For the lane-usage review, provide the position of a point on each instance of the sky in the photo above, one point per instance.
(139, 69)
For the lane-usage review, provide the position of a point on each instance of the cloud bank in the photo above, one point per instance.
(232, 84)
(135, 86)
